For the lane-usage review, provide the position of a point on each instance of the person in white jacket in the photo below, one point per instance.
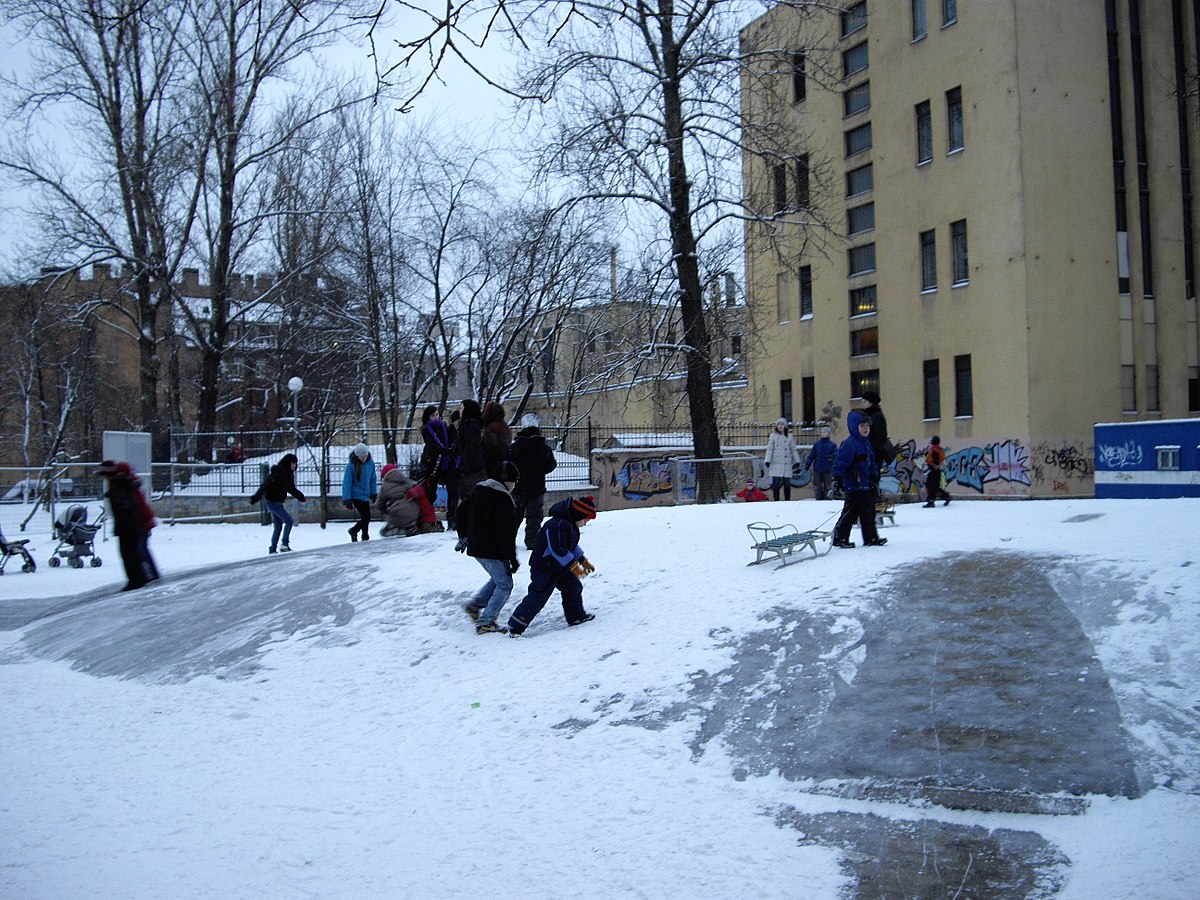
(781, 456)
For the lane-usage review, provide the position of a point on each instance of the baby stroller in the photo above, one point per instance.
(9, 549)
(75, 537)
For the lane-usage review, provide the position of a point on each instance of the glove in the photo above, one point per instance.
(581, 567)
(347, 504)
(838, 485)
(513, 565)
(461, 545)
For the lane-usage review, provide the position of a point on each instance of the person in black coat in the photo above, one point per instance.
(487, 524)
(437, 455)
(471, 468)
(132, 521)
(535, 460)
(881, 445)
(280, 481)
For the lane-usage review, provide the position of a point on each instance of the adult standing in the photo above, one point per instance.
(471, 468)
(935, 458)
(820, 461)
(436, 455)
(534, 460)
(780, 459)
(881, 445)
(132, 521)
(497, 436)
(451, 474)
(359, 489)
(280, 481)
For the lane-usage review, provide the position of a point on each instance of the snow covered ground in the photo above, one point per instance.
(327, 724)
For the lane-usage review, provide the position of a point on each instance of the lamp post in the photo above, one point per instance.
(295, 385)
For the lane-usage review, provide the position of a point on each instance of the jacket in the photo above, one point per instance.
(781, 455)
(820, 457)
(935, 456)
(439, 449)
(393, 502)
(359, 482)
(280, 482)
(557, 543)
(488, 518)
(533, 459)
(855, 460)
(496, 437)
(132, 514)
(470, 451)
(880, 443)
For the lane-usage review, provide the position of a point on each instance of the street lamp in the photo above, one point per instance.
(295, 385)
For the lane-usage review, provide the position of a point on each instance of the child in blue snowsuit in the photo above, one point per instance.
(557, 561)
(854, 472)
(820, 460)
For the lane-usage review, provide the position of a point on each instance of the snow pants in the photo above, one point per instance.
(860, 507)
(541, 586)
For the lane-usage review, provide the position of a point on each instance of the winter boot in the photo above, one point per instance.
(490, 628)
(586, 617)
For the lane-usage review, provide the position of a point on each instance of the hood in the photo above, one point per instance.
(852, 421)
(493, 485)
(530, 434)
(397, 476)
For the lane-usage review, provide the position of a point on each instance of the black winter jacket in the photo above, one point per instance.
(489, 520)
(280, 482)
(533, 459)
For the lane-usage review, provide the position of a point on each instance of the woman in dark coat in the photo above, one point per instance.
(280, 481)
(471, 468)
(497, 437)
(436, 456)
(132, 520)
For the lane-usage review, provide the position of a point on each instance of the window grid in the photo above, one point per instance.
(854, 60)
(857, 98)
(860, 218)
(861, 382)
(860, 180)
(964, 402)
(858, 139)
(806, 294)
(958, 249)
(854, 19)
(954, 120)
(933, 390)
(924, 132)
(928, 261)
(864, 300)
(862, 259)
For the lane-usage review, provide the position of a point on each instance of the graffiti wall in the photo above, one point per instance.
(1003, 468)
(639, 478)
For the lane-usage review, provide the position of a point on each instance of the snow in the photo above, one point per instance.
(327, 724)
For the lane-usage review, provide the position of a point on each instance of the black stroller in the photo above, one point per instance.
(9, 549)
(75, 537)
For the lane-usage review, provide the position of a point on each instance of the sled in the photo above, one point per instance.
(784, 540)
(885, 511)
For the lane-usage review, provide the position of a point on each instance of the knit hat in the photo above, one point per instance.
(107, 469)
(826, 431)
(383, 472)
(582, 508)
(870, 396)
(360, 450)
(529, 420)
(507, 471)
(935, 440)
(781, 421)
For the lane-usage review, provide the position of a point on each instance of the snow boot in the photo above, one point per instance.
(586, 617)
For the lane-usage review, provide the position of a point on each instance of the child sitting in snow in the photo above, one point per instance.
(557, 561)
(750, 493)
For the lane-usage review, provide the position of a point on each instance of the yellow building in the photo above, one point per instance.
(1012, 251)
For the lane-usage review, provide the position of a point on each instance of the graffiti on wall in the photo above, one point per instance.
(1062, 466)
(1005, 462)
(642, 478)
(1124, 456)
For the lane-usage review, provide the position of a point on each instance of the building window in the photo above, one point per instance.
(933, 390)
(924, 133)
(860, 180)
(954, 120)
(799, 81)
(806, 309)
(862, 259)
(781, 298)
(864, 342)
(785, 398)
(735, 345)
(854, 59)
(928, 261)
(858, 139)
(860, 218)
(808, 398)
(857, 98)
(854, 19)
(1129, 389)
(1193, 388)
(860, 382)
(919, 24)
(964, 401)
(781, 192)
(958, 251)
(863, 301)
(1152, 389)
(802, 182)
(1167, 457)
(949, 12)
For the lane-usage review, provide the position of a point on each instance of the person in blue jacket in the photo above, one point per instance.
(820, 460)
(854, 473)
(557, 561)
(359, 488)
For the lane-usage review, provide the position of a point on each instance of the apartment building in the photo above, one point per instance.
(1007, 248)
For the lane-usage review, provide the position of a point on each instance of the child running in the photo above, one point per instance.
(557, 561)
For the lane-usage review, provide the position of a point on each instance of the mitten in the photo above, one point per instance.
(582, 567)
(513, 565)
(461, 545)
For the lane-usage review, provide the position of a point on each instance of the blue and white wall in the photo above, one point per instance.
(1148, 459)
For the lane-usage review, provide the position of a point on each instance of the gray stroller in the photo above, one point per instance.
(75, 537)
